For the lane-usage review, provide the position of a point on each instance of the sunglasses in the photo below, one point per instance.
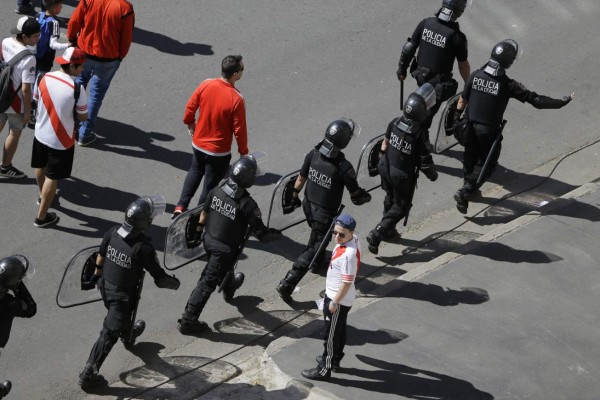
(340, 234)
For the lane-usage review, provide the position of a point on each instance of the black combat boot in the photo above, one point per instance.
(374, 238)
(90, 378)
(138, 329)
(462, 199)
(235, 283)
(5, 388)
(286, 287)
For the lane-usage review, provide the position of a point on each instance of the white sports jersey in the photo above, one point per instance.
(23, 72)
(55, 125)
(345, 260)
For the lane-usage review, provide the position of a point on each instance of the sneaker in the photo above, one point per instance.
(26, 11)
(84, 142)
(317, 374)
(462, 201)
(51, 219)
(178, 211)
(191, 327)
(11, 172)
(335, 364)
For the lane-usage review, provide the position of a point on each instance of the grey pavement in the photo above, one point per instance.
(516, 317)
(307, 62)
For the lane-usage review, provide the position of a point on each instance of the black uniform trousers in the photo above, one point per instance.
(116, 323)
(334, 337)
(479, 139)
(221, 260)
(398, 187)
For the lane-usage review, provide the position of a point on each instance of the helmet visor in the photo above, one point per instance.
(158, 203)
(427, 92)
(356, 128)
(518, 49)
(29, 269)
(261, 160)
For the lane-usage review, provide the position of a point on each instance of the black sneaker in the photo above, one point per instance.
(51, 219)
(191, 327)
(11, 172)
(317, 374)
(89, 379)
(462, 201)
(335, 364)
(88, 140)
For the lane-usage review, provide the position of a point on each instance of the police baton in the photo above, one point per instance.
(401, 96)
(412, 196)
(324, 241)
(138, 295)
(229, 274)
(488, 159)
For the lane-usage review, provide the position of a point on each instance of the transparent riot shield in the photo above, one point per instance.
(178, 251)
(366, 169)
(71, 290)
(282, 195)
(442, 141)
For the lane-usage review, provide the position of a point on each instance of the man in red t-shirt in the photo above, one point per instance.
(222, 116)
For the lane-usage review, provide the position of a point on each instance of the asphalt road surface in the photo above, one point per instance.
(306, 64)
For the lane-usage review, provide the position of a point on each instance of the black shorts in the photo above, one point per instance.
(58, 163)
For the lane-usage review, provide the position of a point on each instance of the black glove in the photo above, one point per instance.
(196, 238)
(430, 173)
(567, 99)
(168, 282)
(361, 197)
(295, 204)
(270, 235)
(90, 282)
(401, 73)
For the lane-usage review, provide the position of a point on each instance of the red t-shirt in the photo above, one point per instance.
(222, 116)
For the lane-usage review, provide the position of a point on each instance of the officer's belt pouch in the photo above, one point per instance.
(421, 74)
(449, 89)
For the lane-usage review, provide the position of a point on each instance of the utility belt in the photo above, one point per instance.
(445, 86)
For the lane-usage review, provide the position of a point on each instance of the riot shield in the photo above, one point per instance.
(282, 195)
(71, 290)
(178, 252)
(444, 142)
(366, 169)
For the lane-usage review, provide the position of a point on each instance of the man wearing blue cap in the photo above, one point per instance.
(339, 297)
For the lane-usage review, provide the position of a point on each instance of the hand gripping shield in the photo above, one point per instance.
(282, 197)
(74, 288)
(179, 251)
(443, 140)
(366, 169)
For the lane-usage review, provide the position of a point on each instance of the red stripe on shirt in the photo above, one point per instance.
(59, 129)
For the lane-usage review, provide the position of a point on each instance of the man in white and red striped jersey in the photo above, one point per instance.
(60, 101)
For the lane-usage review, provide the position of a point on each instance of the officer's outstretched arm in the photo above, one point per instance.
(465, 69)
(544, 102)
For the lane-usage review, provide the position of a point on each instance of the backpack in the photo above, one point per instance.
(7, 93)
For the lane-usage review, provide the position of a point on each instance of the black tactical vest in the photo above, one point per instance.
(436, 47)
(325, 185)
(402, 151)
(488, 98)
(121, 267)
(225, 221)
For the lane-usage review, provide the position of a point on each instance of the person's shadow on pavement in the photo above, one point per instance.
(165, 44)
(408, 382)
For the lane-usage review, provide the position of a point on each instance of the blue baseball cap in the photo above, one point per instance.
(346, 221)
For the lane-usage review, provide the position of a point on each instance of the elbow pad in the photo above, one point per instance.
(541, 102)
(408, 52)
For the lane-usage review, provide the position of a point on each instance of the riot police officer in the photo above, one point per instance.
(487, 91)
(124, 254)
(228, 213)
(439, 41)
(403, 154)
(325, 171)
(18, 304)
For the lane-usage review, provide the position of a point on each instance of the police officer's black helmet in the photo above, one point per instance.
(337, 136)
(452, 10)
(418, 103)
(243, 172)
(140, 213)
(12, 271)
(505, 53)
